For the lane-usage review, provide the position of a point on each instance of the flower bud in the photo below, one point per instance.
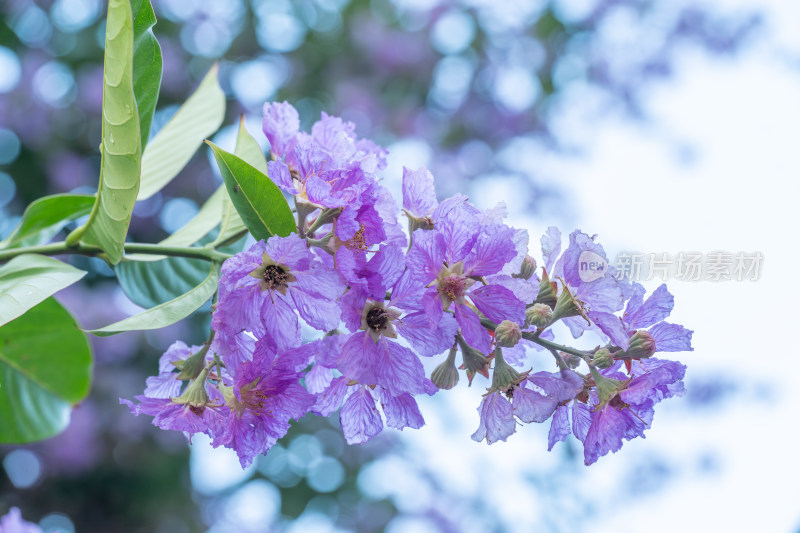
(567, 306)
(195, 394)
(602, 358)
(504, 376)
(507, 334)
(445, 376)
(547, 291)
(642, 345)
(474, 362)
(540, 315)
(528, 268)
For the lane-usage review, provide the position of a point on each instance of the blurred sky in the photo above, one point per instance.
(715, 168)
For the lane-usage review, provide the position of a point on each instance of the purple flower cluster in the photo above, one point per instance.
(381, 305)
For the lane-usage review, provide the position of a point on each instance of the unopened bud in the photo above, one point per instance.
(642, 345)
(195, 394)
(539, 315)
(507, 334)
(474, 362)
(567, 306)
(547, 291)
(504, 376)
(528, 268)
(445, 376)
(602, 358)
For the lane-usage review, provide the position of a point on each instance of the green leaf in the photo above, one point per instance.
(250, 151)
(175, 144)
(151, 283)
(258, 201)
(147, 64)
(45, 368)
(29, 279)
(45, 217)
(121, 150)
(167, 313)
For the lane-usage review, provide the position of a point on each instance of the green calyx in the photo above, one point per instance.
(445, 376)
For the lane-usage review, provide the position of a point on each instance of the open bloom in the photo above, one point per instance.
(263, 290)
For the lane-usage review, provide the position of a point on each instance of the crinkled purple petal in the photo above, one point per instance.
(551, 247)
(672, 337)
(291, 251)
(280, 321)
(318, 379)
(498, 303)
(359, 417)
(319, 313)
(655, 309)
(472, 330)
(399, 369)
(419, 194)
(331, 399)
(497, 419)
(493, 248)
(280, 124)
(581, 420)
(401, 411)
(427, 341)
(359, 359)
(279, 173)
(612, 326)
(559, 427)
(426, 256)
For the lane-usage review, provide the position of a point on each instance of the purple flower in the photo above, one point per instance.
(459, 251)
(280, 124)
(265, 394)
(264, 288)
(12, 522)
(497, 419)
(535, 399)
(624, 413)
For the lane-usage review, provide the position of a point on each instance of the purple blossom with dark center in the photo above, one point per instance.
(12, 522)
(260, 290)
(371, 356)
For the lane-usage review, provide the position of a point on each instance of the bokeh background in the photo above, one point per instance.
(661, 125)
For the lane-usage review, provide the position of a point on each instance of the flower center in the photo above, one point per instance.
(378, 318)
(275, 277)
(358, 242)
(452, 287)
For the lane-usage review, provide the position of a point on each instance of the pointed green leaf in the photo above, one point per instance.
(121, 150)
(45, 217)
(45, 368)
(258, 201)
(29, 279)
(147, 65)
(175, 144)
(169, 312)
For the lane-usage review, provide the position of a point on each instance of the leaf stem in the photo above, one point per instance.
(58, 248)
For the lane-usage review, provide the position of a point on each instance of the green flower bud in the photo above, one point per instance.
(642, 345)
(507, 334)
(445, 376)
(474, 362)
(602, 358)
(195, 394)
(504, 376)
(547, 291)
(567, 306)
(528, 268)
(540, 315)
